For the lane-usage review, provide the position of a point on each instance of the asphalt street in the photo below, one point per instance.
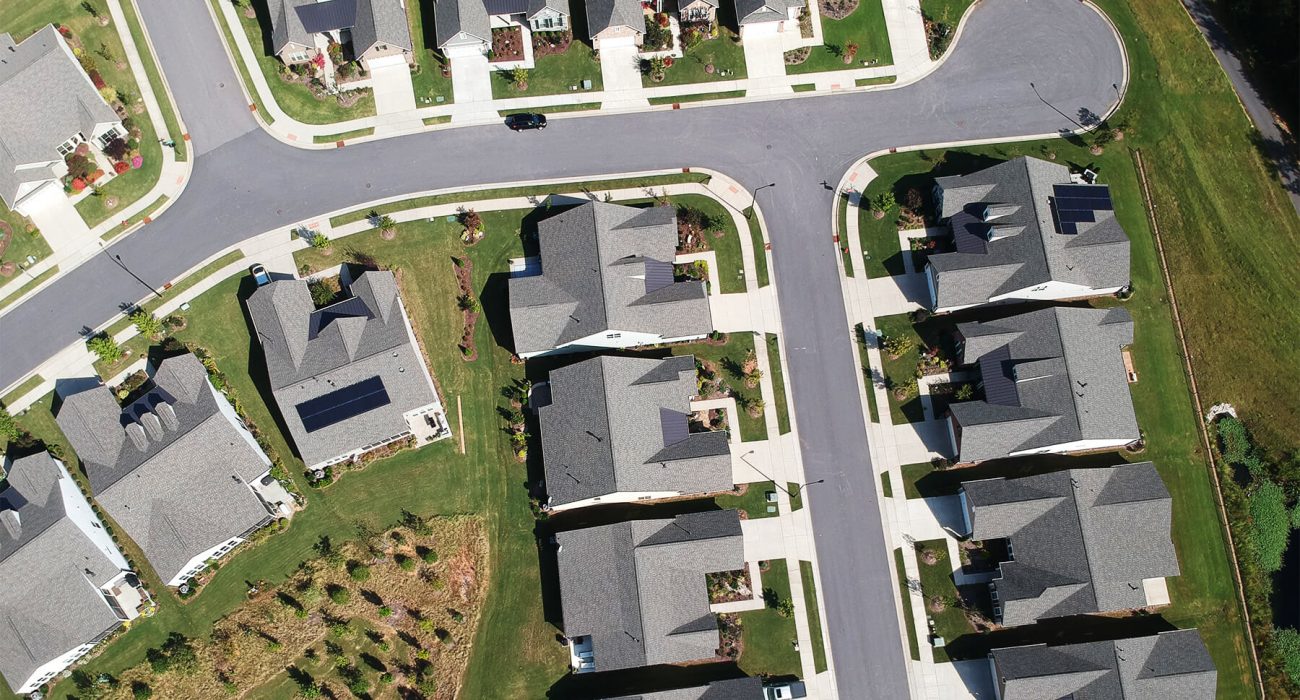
(244, 183)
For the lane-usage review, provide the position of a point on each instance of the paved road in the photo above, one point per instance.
(244, 183)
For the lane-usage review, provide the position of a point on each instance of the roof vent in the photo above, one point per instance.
(135, 431)
(995, 211)
(168, 416)
(1000, 231)
(152, 425)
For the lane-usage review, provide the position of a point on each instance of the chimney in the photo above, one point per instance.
(135, 431)
(152, 425)
(168, 416)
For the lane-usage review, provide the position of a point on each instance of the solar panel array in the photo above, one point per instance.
(342, 404)
(1076, 204)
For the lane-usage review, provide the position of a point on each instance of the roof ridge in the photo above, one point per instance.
(609, 424)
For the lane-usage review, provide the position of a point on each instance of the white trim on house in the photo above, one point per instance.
(199, 561)
(611, 340)
(618, 497)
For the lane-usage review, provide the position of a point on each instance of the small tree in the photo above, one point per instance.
(385, 223)
(117, 148)
(850, 52)
(520, 78)
(882, 203)
(105, 348)
(90, 8)
(323, 290)
(471, 220)
(965, 392)
(896, 345)
(470, 303)
(359, 572)
(145, 322)
(320, 241)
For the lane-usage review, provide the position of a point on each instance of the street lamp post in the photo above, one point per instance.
(749, 213)
(118, 259)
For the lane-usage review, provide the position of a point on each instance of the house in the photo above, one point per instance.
(698, 12)
(633, 593)
(176, 469)
(616, 430)
(1080, 541)
(377, 30)
(48, 106)
(765, 17)
(348, 378)
(1172, 664)
(1053, 382)
(1024, 230)
(615, 23)
(465, 26)
(606, 281)
(64, 585)
(749, 688)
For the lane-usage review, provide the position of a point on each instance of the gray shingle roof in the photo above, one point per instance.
(605, 267)
(755, 11)
(1027, 248)
(1051, 377)
(172, 468)
(45, 98)
(370, 22)
(1173, 664)
(310, 353)
(638, 590)
(50, 572)
(750, 688)
(451, 17)
(619, 424)
(1083, 539)
(603, 14)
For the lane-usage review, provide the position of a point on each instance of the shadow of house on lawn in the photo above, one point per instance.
(946, 482)
(590, 686)
(1066, 630)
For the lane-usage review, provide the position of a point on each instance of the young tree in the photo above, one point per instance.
(104, 347)
(145, 322)
(882, 203)
(520, 77)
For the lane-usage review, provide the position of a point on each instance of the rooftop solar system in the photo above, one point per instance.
(1076, 204)
(342, 404)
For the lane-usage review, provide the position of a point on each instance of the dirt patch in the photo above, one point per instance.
(464, 269)
(8, 269)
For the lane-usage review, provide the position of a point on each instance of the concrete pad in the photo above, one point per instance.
(620, 69)
(897, 295)
(753, 464)
(965, 679)
(471, 79)
(764, 539)
(921, 442)
(765, 60)
(390, 78)
(734, 313)
(57, 218)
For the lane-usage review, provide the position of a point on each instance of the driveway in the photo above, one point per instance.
(471, 78)
(390, 78)
(60, 224)
(765, 58)
(619, 66)
(982, 92)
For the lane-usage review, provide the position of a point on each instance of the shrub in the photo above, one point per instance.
(1287, 643)
(117, 149)
(359, 572)
(9, 430)
(320, 241)
(385, 611)
(141, 691)
(896, 345)
(471, 220)
(429, 556)
(120, 167)
(340, 595)
(1271, 524)
(324, 290)
(965, 392)
(385, 223)
(883, 201)
(104, 347)
(405, 563)
(145, 322)
(519, 76)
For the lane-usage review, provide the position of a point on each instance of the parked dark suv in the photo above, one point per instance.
(521, 122)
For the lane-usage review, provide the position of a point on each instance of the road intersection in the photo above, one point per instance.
(245, 182)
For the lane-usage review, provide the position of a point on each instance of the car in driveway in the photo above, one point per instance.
(785, 691)
(260, 275)
(526, 121)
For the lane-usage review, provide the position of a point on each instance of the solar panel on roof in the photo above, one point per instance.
(1070, 228)
(1074, 216)
(342, 404)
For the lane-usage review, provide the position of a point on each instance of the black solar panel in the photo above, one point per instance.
(342, 404)
(1074, 216)
(995, 370)
(1071, 229)
(1075, 204)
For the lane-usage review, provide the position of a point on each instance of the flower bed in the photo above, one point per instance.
(729, 586)
(549, 43)
(507, 44)
(837, 9)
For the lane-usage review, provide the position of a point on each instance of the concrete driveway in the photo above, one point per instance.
(471, 78)
(56, 217)
(390, 78)
(765, 58)
(620, 68)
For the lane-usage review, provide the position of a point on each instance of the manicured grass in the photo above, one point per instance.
(179, 286)
(804, 87)
(724, 53)
(885, 487)
(22, 244)
(294, 98)
(552, 109)
(882, 253)
(22, 19)
(426, 81)
(768, 646)
(760, 247)
(522, 191)
(355, 133)
(128, 223)
(865, 27)
(912, 475)
(28, 285)
(753, 502)
(554, 74)
(729, 358)
(778, 383)
(842, 230)
(701, 97)
(882, 80)
(155, 79)
(132, 350)
(936, 580)
(430, 121)
(909, 619)
(729, 275)
(21, 390)
(947, 11)
(796, 495)
(868, 376)
(899, 369)
(814, 615)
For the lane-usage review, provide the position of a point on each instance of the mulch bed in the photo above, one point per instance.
(507, 44)
(464, 277)
(837, 9)
(549, 43)
(797, 56)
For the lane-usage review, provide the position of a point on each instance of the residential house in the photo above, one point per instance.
(615, 429)
(766, 17)
(176, 468)
(634, 594)
(606, 281)
(1080, 541)
(1053, 380)
(615, 23)
(64, 585)
(464, 27)
(1172, 664)
(1025, 230)
(347, 378)
(377, 30)
(48, 106)
(748, 688)
(698, 12)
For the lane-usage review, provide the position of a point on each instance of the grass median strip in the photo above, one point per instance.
(355, 133)
(21, 390)
(760, 247)
(814, 615)
(868, 375)
(551, 109)
(698, 97)
(881, 80)
(778, 383)
(132, 221)
(441, 119)
(842, 228)
(909, 620)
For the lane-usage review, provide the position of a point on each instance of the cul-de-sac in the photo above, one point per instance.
(649, 349)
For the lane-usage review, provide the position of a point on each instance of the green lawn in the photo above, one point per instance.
(778, 383)
(860, 340)
(427, 80)
(760, 247)
(909, 619)
(914, 473)
(178, 286)
(814, 615)
(936, 581)
(26, 240)
(155, 80)
(294, 98)
(897, 370)
(865, 27)
(551, 109)
(886, 487)
(132, 350)
(753, 502)
(724, 53)
(769, 638)
(355, 133)
(554, 74)
(700, 97)
(129, 222)
(947, 13)
(729, 358)
(842, 227)
(796, 495)
(22, 19)
(882, 253)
